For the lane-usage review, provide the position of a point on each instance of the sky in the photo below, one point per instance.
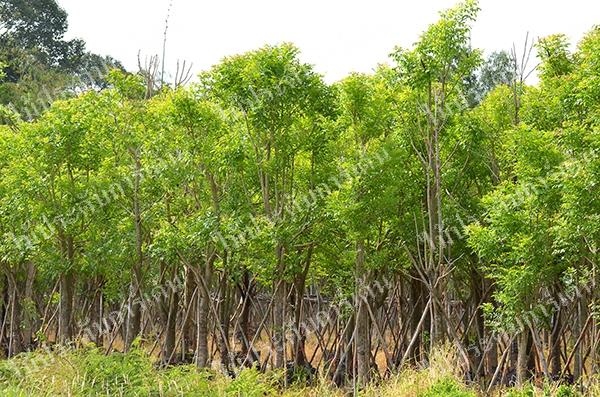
(336, 36)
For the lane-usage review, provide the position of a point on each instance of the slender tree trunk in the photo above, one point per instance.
(279, 306)
(522, 357)
(67, 287)
(554, 342)
(344, 365)
(416, 291)
(492, 352)
(170, 327)
(477, 357)
(15, 344)
(580, 324)
(134, 312)
(224, 323)
(134, 315)
(94, 328)
(189, 329)
(531, 358)
(202, 353)
(245, 331)
(438, 262)
(28, 318)
(299, 332)
(4, 310)
(363, 345)
(65, 326)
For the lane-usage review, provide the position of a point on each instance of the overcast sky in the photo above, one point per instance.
(337, 36)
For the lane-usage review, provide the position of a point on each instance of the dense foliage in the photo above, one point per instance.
(262, 218)
(38, 64)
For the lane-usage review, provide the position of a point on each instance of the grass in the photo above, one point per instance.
(89, 372)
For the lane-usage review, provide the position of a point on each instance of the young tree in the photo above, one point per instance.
(433, 73)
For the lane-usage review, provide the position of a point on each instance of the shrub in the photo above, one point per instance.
(89, 372)
(189, 380)
(447, 387)
(119, 374)
(251, 383)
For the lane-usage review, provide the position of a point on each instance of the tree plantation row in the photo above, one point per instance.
(260, 217)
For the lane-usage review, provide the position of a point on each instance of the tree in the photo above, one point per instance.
(433, 74)
(70, 151)
(40, 65)
(366, 199)
(40, 26)
(276, 94)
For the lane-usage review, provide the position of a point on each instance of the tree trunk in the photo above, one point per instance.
(279, 305)
(492, 352)
(580, 324)
(224, 323)
(67, 286)
(245, 332)
(522, 357)
(188, 343)
(299, 332)
(94, 329)
(203, 312)
(363, 345)
(134, 312)
(65, 326)
(416, 301)
(170, 328)
(134, 316)
(28, 317)
(15, 344)
(555, 363)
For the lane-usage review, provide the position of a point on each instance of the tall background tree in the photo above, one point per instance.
(40, 64)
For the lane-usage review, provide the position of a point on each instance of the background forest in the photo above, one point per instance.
(438, 218)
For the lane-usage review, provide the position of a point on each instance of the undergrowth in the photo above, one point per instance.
(90, 372)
